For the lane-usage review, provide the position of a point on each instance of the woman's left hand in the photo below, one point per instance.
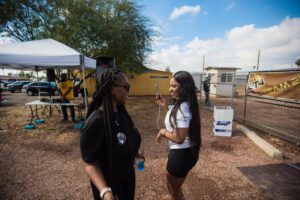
(160, 135)
(162, 102)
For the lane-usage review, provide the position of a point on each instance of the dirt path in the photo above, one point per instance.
(45, 163)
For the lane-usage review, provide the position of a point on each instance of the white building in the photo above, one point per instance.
(222, 80)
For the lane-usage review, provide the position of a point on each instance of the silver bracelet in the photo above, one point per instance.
(103, 191)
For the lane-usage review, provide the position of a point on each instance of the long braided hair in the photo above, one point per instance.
(103, 96)
(188, 94)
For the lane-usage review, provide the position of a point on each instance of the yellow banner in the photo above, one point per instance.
(275, 84)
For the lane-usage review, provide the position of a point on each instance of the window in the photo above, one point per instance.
(17, 83)
(159, 76)
(226, 78)
(52, 84)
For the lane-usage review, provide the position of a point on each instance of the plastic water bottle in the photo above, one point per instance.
(140, 165)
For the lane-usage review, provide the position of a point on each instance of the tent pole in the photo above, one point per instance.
(37, 77)
(84, 86)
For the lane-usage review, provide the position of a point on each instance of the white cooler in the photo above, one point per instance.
(223, 117)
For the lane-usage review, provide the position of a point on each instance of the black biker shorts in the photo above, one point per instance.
(181, 161)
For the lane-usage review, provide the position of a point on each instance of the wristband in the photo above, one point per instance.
(103, 191)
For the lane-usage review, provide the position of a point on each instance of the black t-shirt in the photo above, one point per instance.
(93, 143)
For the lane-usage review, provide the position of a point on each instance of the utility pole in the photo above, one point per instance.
(203, 63)
(258, 60)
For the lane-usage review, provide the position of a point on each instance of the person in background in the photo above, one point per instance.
(182, 131)
(66, 93)
(206, 88)
(109, 141)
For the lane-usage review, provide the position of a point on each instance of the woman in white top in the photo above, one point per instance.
(182, 131)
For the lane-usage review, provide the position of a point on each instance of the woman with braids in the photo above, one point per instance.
(182, 130)
(109, 142)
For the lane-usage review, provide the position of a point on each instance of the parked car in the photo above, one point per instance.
(47, 87)
(17, 86)
(0, 96)
(2, 84)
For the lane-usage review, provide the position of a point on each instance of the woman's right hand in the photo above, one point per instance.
(108, 196)
(160, 135)
(162, 101)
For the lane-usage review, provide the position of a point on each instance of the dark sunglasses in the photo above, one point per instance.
(126, 87)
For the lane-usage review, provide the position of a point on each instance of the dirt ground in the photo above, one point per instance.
(45, 163)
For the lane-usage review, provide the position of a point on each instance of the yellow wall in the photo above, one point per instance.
(144, 84)
(89, 83)
(140, 84)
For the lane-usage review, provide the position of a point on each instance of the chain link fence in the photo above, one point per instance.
(276, 117)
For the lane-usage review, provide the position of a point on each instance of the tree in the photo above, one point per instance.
(23, 19)
(22, 73)
(42, 78)
(26, 75)
(30, 75)
(167, 69)
(297, 62)
(92, 27)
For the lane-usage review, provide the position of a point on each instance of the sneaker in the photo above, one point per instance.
(74, 120)
(64, 120)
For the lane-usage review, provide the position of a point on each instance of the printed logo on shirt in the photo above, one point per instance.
(121, 138)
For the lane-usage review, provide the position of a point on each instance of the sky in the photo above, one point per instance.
(223, 33)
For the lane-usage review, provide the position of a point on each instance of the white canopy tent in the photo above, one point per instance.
(43, 54)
